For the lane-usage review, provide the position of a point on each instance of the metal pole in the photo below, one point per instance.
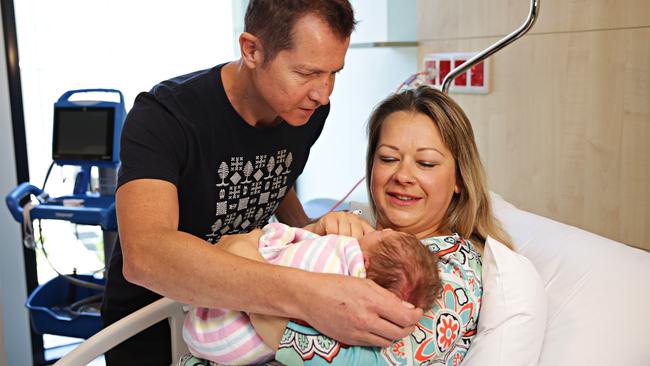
(519, 32)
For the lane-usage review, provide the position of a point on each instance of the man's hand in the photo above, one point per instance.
(357, 311)
(342, 223)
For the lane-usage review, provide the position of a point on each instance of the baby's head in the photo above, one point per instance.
(400, 263)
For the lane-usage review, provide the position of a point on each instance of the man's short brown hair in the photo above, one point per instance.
(272, 21)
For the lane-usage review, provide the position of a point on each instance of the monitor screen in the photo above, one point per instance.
(83, 133)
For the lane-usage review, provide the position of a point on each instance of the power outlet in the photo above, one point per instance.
(473, 81)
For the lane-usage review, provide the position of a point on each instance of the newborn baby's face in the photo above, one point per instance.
(370, 240)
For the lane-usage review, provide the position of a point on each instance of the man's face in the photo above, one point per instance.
(299, 80)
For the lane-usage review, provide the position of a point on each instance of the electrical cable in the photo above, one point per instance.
(90, 304)
(411, 81)
(71, 279)
(337, 204)
(41, 241)
(28, 227)
(47, 175)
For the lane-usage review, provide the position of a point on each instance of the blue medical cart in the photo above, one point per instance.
(86, 134)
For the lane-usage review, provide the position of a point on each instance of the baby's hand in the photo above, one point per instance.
(243, 245)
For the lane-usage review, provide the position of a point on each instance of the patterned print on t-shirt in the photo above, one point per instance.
(249, 192)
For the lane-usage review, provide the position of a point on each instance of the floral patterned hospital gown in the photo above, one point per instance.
(442, 336)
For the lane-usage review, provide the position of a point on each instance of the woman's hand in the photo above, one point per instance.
(356, 311)
(341, 223)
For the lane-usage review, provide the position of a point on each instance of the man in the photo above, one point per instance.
(217, 152)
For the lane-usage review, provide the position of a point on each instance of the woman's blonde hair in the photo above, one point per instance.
(470, 211)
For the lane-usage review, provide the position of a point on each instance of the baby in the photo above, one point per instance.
(394, 260)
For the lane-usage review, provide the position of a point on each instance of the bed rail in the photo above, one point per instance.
(129, 326)
(533, 14)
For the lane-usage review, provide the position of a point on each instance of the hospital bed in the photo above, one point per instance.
(598, 291)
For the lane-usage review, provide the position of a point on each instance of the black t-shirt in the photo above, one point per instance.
(230, 176)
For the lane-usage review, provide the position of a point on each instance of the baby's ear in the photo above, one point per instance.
(366, 261)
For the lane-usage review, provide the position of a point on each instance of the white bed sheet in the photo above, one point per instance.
(598, 291)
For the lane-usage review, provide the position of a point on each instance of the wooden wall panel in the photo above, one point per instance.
(565, 130)
(444, 19)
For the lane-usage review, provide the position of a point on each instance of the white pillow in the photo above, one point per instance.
(512, 319)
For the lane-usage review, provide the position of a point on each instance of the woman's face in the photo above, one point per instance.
(413, 175)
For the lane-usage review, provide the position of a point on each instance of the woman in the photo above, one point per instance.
(425, 178)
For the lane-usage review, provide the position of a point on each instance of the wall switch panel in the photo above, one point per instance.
(476, 80)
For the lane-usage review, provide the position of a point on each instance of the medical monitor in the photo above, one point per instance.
(87, 127)
(83, 134)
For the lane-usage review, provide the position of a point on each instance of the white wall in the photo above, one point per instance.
(337, 160)
(372, 18)
(14, 324)
(384, 20)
